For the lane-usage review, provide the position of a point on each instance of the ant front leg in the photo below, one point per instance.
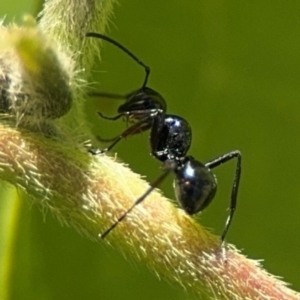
(110, 118)
(110, 96)
(142, 125)
(236, 182)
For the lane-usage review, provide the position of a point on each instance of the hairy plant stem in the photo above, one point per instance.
(89, 192)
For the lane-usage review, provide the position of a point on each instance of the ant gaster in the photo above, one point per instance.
(170, 139)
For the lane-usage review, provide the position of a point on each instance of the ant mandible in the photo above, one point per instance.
(170, 139)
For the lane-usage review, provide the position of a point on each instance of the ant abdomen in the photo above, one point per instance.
(195, 185)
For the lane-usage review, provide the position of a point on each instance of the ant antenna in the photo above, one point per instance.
(106, 38)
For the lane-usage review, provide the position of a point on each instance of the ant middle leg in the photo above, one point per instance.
(144, 122)
(235, 186)
(140, 126)
(143, 128)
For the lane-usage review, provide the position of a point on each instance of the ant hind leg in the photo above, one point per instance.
(235, 186)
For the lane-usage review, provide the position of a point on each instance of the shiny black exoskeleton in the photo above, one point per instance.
(140, 107)
(170, 139)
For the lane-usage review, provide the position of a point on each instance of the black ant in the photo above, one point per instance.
(170, 139)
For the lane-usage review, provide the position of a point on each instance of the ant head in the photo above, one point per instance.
(143, 99)
(195, 185)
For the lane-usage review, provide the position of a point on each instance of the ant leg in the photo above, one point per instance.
(129, 114)
(110, 118)
(235, 187)
(153, 185)
(143, 128)
(143, 123)
(111, 96)
(95, 152)
(100, 139)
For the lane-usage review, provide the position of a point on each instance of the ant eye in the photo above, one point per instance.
(170, 139)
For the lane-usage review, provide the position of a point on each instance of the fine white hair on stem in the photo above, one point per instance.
(87, 193)
(68, 21)
(34, 80)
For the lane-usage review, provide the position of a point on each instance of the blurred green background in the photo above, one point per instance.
(233, 70)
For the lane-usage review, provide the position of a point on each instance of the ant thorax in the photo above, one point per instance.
(170, 137)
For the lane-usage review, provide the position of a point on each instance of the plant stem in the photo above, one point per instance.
(88, 193)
